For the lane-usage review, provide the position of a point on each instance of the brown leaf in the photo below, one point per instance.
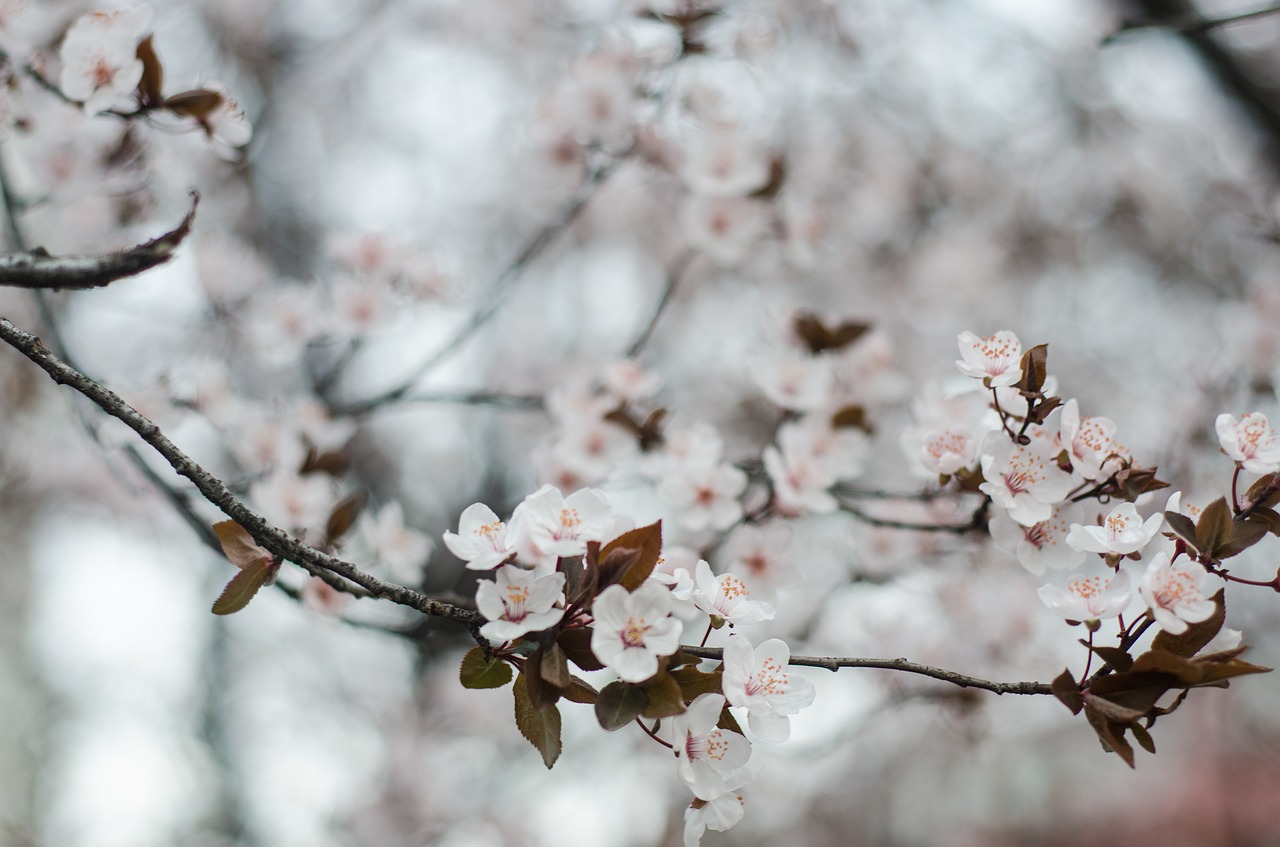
(1214, 527)
(541, 727)
(1111, 735)
(244, 585)
(1197, 635)
(819, 338)
(1064, 687)
(619, 704)
(150, 87)
(647, 542)
(198, 103)
(239, 545)
(663, 697)
(1034, 368)
(345, 513)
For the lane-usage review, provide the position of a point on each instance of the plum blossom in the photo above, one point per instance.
(225, 123)
(705, 754)
(756, 678)
(1250, 441)
(1088, 598)
(294, 503)
(793, 380)
(760, 552)
(629, 381)
(1041, 545)
(719, 813)
(481, 539)
(518, 601)
(946, 451)
(555, 525)
(1175, 593)
(706, 496)
(724, 163)
(1123, 532)
(727, 597)
(99, 57)
(725, 228)
(1023, 478)
(1174, 504)
(994, 360)
(633, 629)
(1087, 440)
(401, 548)
(811, 456)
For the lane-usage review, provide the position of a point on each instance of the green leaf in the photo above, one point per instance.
(541, 727)
(244, 585)
(663, 697)
(619, 704)
(1214, 527)
(478, 671)
(1068, 692)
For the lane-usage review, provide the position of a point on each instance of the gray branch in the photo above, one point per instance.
(37, 269)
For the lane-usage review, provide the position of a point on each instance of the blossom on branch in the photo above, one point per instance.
(481, 539)
(704, 752)
(727, 597)
(1023, 478)
(1043, 544)
(1123, 532)
(1250, 441)
(756, 678)
(552, 525)
(633, 629)
(1088, 598)
(994, 360)
(100, 57)
(1175, 593)
(518, 602)
(1087, 440)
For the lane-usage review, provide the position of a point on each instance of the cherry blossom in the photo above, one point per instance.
(226, 122)
(1041, 545)
(756, 678)
(99, 57)
(401, 548)
(793, 380)
(994, 360)
(481, 539)
(725, 228)
(1087, 440)
(629, 381)
(1175, 593)
(1088, 598)
(1122, 532)
(727, 597)
(811, 457)
(719, 813)
(724, 163)
(1023, 478)
(554, 525)
(633, 629)
(1250, 441)
(518, 602)
(705, 753)
(760, 552)
(299, 503)
(706, 497)
(948, 450)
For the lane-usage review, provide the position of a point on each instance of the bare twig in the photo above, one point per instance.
(1191, 22)
(834, 663)
(37, 269)
(674, 276)
(216, 492)
(977, 521)
(498, 291)
(477, 398)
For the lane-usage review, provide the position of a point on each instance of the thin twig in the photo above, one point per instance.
(216, 492)
(977, 521)
(1192, 23)
(497, 293)
(675, 274)
(834, 663)
(477, 398)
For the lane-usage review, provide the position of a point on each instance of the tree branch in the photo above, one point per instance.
(834, 663)
(37, 269)
(216, 492)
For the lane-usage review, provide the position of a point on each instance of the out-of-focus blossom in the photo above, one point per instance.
(946, 451)
(100, 64)
(1175, 593)
(1250, 441)
(1088, 598)
(401, 548)
(296, 504)
(793, 380)
(719, 813)
(633, 629)
(994, 360)
(225, 123)
(1123, 532)
(760, 553)
(706, 496)
(630, 381)
(756, 678)
(724, 162)
(725, 228)
(519, 602)
(1041, 545)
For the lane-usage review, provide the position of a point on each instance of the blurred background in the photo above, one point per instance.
(452, 214)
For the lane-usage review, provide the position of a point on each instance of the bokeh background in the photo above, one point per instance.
(485, 201)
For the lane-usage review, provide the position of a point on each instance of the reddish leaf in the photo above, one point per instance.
(647, 541)
(619, 704)
(1182, 526)
(1244, 534)
(1214, 527)
(1143, 737)
(198, 104)
(1034, 364)
(151, 86)
(576, 644)
(244, 585)
(1197, 635)
(663, 697)
(580, 691)
(239, 545)
(345, 513)
(1066, 690)
(1111, 735)
(555, 667)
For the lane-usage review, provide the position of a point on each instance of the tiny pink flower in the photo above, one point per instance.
(99, 57)
(994, 360)
(1250, 441)
(706, 496)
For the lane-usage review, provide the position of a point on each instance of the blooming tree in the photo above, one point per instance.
(665, 537)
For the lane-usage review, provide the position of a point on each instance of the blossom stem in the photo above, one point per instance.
(1088, 665)
(705, 636)
(653, 735)
(1273, 584)
(1235, 484)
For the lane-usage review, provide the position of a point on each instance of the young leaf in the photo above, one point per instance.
(198, 103)
(581, 691)
(1066, 690)
(1214, 527)
(1265, 492)
(619, 704)
(239, 545)
(576, 644)
(1110, 734)
(1182, 526)
(1034, 363)
(1114, 656)
(1143, 737)
(1244, 534)
(344, 514)
(555, 667)
(664, 697)
(152, 82)
(541, 727)
(694, 682)
(480, 672)
(244, 585)
(647, 541)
